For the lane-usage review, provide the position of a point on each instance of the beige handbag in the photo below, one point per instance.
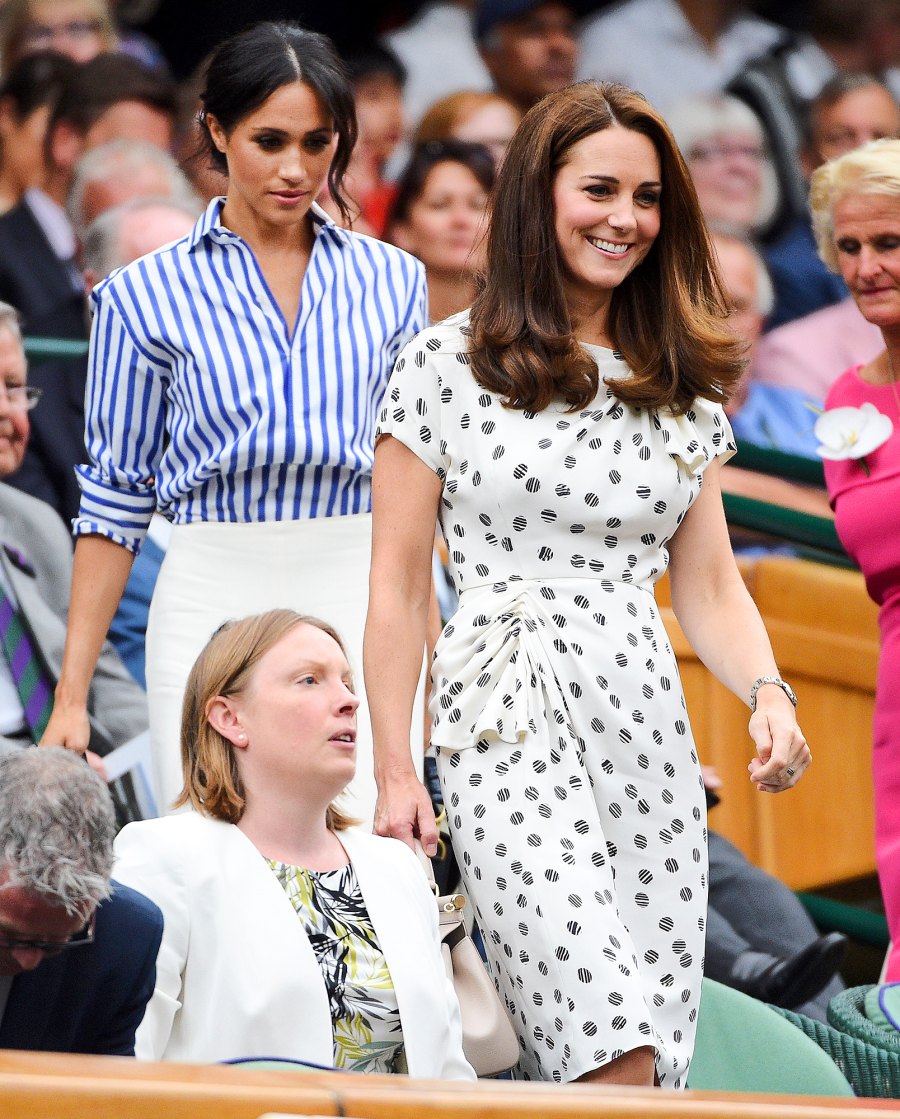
(489, 1040)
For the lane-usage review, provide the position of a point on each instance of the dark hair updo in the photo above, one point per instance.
(249, 67)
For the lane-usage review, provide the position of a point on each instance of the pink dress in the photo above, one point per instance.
(867, 512)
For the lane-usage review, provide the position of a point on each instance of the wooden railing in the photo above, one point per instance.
(57, 1086)
(824, 631)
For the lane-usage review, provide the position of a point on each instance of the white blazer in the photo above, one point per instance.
(236, 975)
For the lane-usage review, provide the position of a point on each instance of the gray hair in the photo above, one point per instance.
(765, 290)
(57, 826)
(101, 249)
(124, 158)
(11, 320)
(700, 117)
(872, 169)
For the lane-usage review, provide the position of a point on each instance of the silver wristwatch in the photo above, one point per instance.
(783, 684)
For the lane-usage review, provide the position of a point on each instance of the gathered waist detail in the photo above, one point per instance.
(494, 659)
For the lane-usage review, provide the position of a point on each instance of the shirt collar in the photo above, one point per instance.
(210, 226)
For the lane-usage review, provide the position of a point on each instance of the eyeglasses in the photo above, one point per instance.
(51, 947)
(39, 35)
(710, 152)
(21, 398)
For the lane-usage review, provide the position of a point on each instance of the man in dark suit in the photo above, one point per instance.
(112, 97)
(36, 574)
(77, 951)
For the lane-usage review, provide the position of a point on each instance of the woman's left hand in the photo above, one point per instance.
(783, 754)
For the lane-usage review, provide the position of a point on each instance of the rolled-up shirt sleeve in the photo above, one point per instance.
(124, 436)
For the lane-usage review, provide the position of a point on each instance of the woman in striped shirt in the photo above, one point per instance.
(235, 378)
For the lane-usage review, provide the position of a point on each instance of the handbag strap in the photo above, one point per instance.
(450, 906)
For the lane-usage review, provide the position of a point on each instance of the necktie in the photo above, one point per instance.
(29, 675)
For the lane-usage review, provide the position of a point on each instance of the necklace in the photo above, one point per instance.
(893, 380)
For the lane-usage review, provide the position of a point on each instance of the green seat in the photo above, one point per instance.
(745, 1046)
(872, 1070)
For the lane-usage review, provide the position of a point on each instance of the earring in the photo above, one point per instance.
(242, 737)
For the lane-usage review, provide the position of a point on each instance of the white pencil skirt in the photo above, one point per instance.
(213, 572)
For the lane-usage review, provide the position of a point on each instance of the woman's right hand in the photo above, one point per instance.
(69, 726)
(404, 811)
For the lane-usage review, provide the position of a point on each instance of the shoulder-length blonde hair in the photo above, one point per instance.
(667, 318)
(212, 781)
(872, 169)
(16, 16)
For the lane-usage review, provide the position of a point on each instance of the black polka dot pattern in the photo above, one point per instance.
(570, 775)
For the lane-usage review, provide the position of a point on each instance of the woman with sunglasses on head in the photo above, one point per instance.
(234, 383)
(288, 933)
(79, 29)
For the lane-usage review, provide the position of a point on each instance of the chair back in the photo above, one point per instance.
(745, 1046)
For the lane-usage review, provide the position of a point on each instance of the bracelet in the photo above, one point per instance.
(778, 682)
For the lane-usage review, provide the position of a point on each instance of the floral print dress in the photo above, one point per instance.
(368, 1035)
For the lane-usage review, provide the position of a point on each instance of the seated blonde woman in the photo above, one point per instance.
(288, 933)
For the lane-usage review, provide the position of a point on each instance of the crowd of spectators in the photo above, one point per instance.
(102, 162)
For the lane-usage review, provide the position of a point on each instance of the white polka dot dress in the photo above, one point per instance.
(570, 775)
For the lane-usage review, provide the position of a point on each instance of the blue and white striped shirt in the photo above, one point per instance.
(201, 403)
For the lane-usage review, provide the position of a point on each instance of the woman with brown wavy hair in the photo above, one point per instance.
(569, 433)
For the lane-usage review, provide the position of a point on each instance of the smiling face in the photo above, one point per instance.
(278, 159)
(867, 239)
(296, 721)
(445, 222)
(607, 214)
(13, 421)
(727, 170)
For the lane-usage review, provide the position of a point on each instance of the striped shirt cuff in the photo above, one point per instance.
(120, 514)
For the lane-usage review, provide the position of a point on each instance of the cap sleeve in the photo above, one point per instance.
(411, 409)
(700, 435)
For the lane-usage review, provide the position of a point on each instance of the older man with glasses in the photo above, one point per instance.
(35, 577)
(77, 950)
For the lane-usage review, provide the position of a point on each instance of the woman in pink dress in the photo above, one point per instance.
(856, 211)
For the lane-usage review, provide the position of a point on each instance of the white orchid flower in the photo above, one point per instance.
(852, 432)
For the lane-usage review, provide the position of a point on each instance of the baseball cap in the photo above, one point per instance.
(488, 13)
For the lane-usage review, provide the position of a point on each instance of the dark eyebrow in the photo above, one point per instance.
(273, 131)
(615, 181)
